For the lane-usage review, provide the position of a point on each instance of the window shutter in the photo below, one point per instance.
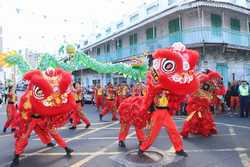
(149, 33)
(216, 20)
(235, 24)
(135, 39)
(174, 26)
(131, 41)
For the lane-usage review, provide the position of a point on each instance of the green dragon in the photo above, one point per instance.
(78, 61)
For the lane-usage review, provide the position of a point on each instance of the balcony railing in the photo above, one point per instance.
(187, 36)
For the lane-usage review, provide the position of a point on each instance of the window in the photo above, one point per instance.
(108, 30)
(235, 24)
(108, 48)
(119, 25)
(98, 36)
(152, 9)
(216, 20)
(134, 18)
(170, 2)
(86, 42)
(133, 39)
(151, 33)
(174, 26)
(98, 51)
(118, 44)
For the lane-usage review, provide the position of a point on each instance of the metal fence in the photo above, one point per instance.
(186, 36)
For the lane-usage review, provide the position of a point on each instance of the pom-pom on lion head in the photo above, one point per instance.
(174, 69)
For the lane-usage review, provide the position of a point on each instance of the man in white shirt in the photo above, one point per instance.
(244, 98)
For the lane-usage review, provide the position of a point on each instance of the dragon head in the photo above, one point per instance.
(49, 91)
(212, 81)
(174, 69)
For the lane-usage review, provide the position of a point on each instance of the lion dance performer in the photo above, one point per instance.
(11, 109)
(45, 106)
(200, 119)
(99, 97)
(172, 74)
(109, 103)
(78, 114)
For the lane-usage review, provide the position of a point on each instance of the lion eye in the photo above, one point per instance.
(38, 93)
(168, 66)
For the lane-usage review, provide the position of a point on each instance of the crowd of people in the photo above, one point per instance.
(237, 98)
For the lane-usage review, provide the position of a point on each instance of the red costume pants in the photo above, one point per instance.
(98, 101)
(46, 134)
(160, 118)
(42, 131)
(109, 106)
(79, 115)
(124, 132)
(11, 115)
(234, 102)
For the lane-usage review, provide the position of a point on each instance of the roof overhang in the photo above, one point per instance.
(171, 10)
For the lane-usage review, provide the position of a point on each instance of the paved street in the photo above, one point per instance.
(93, 147)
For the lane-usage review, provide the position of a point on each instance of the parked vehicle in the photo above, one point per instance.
(88, 95)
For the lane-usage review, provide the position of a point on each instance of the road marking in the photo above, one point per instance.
(7, 135)
(231, 131)
(233, 125)
(131, 138)
(82, 128)
(244, 159)
(100, 152)
(69, 140)
(240, 149)
(170, 150)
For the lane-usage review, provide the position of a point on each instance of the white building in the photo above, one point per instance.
(218, 29)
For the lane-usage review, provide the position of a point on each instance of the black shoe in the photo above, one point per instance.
(68, 151)
(50, 145)
(71, 120)
(13, 129)
(15, 161)
(122, 144)
(181, 153)
(4, 130)
(140, 153)
(72, 128)
(87, 126)
(100, 117)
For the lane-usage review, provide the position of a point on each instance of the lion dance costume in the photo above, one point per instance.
(172, 75)
(200, 119)
(45, 106)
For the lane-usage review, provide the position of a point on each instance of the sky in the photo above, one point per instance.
(44, 25)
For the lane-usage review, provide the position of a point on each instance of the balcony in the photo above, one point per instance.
(187, 36)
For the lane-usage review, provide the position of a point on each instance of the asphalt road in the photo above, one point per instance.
(94, 146)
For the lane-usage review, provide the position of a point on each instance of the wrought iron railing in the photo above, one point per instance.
(187, 36)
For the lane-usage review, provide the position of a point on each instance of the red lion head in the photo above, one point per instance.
(49, 93)
(174, 69)
(212, 81)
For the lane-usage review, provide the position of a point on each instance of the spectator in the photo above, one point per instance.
(244, 98)
(227, 95)
(234, 96)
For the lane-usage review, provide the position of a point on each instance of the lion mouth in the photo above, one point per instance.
(182, 78)
(55, 100)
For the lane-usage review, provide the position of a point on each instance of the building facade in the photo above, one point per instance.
(218, 29)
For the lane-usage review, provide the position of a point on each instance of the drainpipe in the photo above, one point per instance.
(223, 25)
(180, 24)
(200, 18)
